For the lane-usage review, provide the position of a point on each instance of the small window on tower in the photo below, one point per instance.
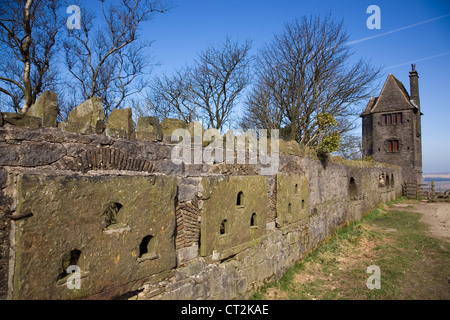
(393, 145)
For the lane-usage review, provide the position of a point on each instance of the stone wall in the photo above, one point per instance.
(115, 205)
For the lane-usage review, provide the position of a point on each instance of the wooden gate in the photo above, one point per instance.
(417, 191)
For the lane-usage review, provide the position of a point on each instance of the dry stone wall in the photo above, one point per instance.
(114, 204)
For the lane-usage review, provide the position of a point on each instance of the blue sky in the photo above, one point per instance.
(192, 25)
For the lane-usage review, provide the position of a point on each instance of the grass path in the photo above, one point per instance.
(413, 265)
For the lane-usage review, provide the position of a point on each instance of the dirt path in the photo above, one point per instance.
(436, 215)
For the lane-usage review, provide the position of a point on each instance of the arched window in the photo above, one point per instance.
(381, 181)
(240, 199)
(253, 222)
(223, 227)
(388, 182)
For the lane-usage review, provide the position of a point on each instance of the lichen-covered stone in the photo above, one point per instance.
(76, 127)
(21, 120)
(234, 212)
(170, 125)
(46, 108)
(120, 124)
(75, 221)
(149, 129)
(90, 112)
(292, 198)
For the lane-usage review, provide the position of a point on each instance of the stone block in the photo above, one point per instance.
(234, 212)
(21, 120)
(90, 112)
(187, 254)
(33, 154)
(76, 127)
(170, 125)
(169, 168)
(292, 198)
(187, 189)
(149, 129)
(46, 108)
(75, 225)
(120, 124)
(8, 155)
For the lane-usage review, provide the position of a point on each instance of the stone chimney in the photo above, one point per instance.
(414, 86)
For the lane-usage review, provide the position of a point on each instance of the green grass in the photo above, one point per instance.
(413, 265)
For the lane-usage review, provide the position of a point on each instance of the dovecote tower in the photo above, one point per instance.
(391, 127)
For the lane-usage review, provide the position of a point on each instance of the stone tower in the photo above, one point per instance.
(391, 128)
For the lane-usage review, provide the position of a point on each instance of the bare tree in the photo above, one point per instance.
(28, 31)
(108, 61)
(306, 71)
(209, 89)
(218, 78)
(172, 96)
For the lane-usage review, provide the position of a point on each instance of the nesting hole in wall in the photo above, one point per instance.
(253, 221)
(352, 189)
(289, 208)
(71, 258)
(296, 189)
(240, 199)
(111, 213)
(144, 246)
(147, 249)
(223, 227)
(303, 203)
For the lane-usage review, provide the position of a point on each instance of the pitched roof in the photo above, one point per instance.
(393, 97)
(370, 105)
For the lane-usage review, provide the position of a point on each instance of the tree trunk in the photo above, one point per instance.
(25, 51)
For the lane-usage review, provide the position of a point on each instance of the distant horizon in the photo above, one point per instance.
(436, 173)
